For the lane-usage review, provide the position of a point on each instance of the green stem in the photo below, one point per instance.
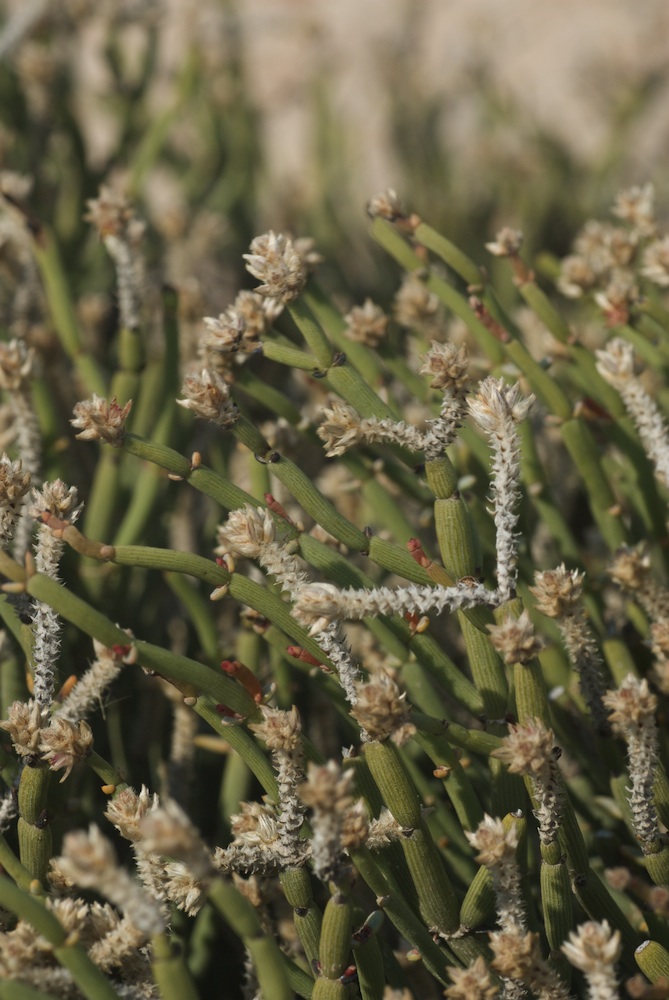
(240, 915)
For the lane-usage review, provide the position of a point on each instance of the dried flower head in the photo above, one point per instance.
(508, 243)
(516, 640)
(416, 306)
(637, 206)
(632, 705)
(24, 725)
(247, 531)
(89, 861)
(615, 362)
(14, 482)
(17, 365)
(14, 485)
(494, 844)
(558, 591)
(327, 791)
(280, 730)
(327, 787)
(577, 276)
(340, 429)
(112, 214)
(618, 297)
(277, 262)
(593, 948)
(529, 750)
(496, 402)
(631, 567)
(473, 983)
(167, 830)
(386, 205)
(381, 710)
(518, 957)
(367, 324)
(57, 499)
(448, 365)
(655, 262)
(63, 744)
(208, 396)
(97, 419)
(127, 809)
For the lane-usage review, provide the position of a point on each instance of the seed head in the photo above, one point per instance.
(655, 262)
(247, 532)
(495, 844)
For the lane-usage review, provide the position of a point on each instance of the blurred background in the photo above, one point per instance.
(222, 118)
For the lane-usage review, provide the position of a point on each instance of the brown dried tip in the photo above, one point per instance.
(515, 639)
(97, 419)
(64, 743)
(508, 243)
(558, 591)
(386, 205)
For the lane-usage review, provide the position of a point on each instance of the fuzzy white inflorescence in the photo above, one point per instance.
(59, 501)
(497, 408)
(632, 711)
(252, 532)
(615, 363)
(594, 949)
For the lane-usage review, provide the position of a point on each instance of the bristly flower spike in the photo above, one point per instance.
(595, 949)
(497, 408)
(252, 532)
(632, 712)
(559, 595)
(281, 731)
(60, 502)
(122, 233)
(615, 363)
